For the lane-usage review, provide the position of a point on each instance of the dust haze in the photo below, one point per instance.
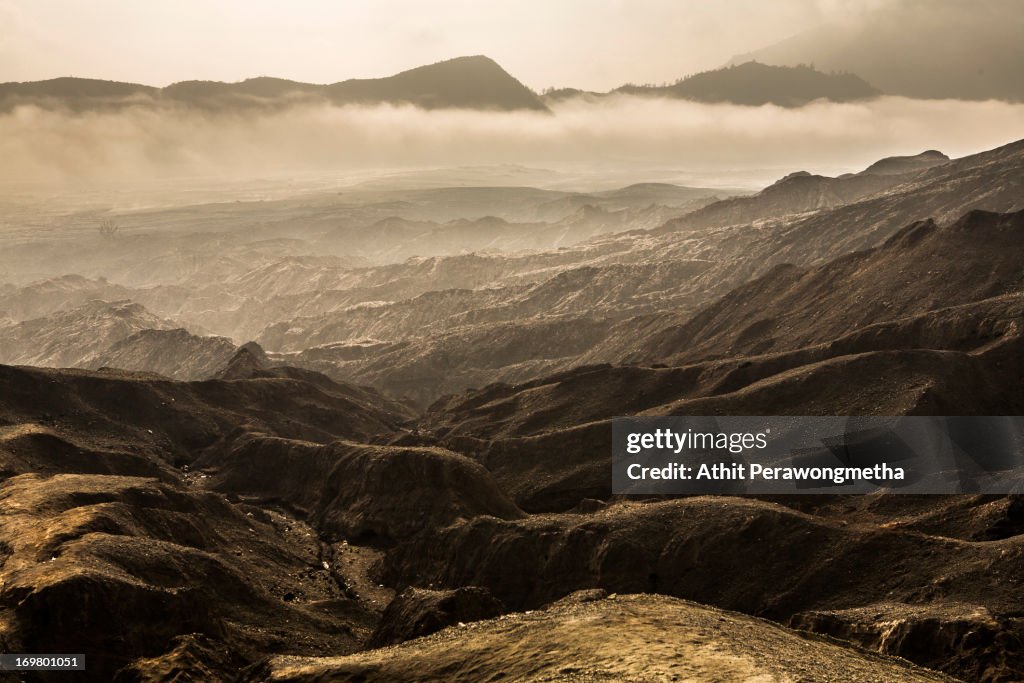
(152, 143)
(918, 48)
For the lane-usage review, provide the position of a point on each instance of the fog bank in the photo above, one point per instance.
(146, 143)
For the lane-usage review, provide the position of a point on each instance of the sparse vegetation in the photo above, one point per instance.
(109, 228)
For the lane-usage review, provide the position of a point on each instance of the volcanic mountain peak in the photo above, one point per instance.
(474, 82)
(471, 66)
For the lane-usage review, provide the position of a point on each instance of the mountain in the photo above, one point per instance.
(796, 193)
(803, 192)
(751, 83)
(923, 324)
(464, 82)
(475, 82)
(72, 337)
(989, 181)
(924, 267)
(43, 297)
(754, 84)
(431, 327)
(933, 49)
(77, 94)
(99, 334)
(177, 354)
(254, 91)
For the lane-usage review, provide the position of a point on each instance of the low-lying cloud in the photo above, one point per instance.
(152, 142)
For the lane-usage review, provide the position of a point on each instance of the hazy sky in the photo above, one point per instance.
(596, 44)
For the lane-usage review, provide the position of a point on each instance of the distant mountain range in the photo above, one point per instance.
(935, 49)
(464, 82)
(754, 84)
(750, 83)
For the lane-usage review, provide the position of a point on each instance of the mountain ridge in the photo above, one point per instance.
(750, 83)
(754, 84)
(470, 82)
(473, 82)
(283, 523)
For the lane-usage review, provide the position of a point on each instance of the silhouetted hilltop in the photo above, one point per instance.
(755, 84)
(74, 93)
(464, 82)
(252, 91)
(468, 82)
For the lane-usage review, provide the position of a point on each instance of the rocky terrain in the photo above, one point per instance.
(171, 353)
(965, 266)
(606, 639)
(240, 442)
(71, 337)
(548, 312)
